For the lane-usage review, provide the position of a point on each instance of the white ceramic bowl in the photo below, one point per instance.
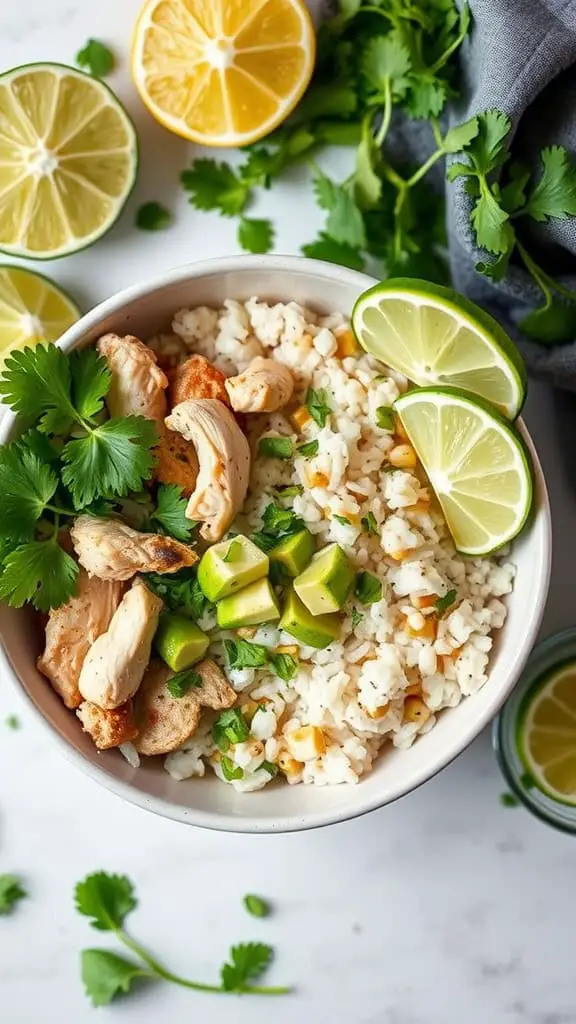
(143, 310)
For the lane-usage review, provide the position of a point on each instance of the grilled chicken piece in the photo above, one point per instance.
(114, 666)
(108, 728)
(224, 461)
(72, 629)
(265, 386)
(138, 384)
(165, 722)
(197, 378)
(111, 550)
(177, 461)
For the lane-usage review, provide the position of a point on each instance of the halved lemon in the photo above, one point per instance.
(32, 309)
(547, 734)
(68, 160)
(476, 464)
(222, 72)
(434, 336)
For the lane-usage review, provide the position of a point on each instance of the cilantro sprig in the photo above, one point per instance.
(108, 900)
(11, 892)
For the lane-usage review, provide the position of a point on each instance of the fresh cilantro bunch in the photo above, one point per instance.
(72, 460)
(374, 58)
(505, 193)
(107, 900)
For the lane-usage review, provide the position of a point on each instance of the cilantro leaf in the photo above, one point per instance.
(243, 654)
(335, 99)
(262, 165)
(215, 186)
(26, 486)
(367, 183)
(554, 194)
(460, 136)
(342, 519)
(230, 727)
(107, 975)
(39, 572)
(385, 417)
(513, 194)
(255, 235)
(285, 666)
(326, 248)
(180, 684)
(369, 523)
(96, 58)
(490, 224)
(317, 405)
(114, 458)
(276, 447)
(170, 512)
(344, 222)
(426, 96)
(153, 216)
(356, 617)
(309, 449)
(36, 382)
(107, 899)
(12, 722)
(180, 592)
(11, 891)
(230, 771)
(444, 603)
(288, 490)
(248, 961)
(552, 323)
(488, 147)
(256, 906)
(385, 63)
(368, 588)
(91, 379)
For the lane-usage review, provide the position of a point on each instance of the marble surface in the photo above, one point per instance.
(444, 908)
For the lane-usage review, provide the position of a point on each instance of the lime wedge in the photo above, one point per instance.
(436, 337)
(546, 736)
(68, 160)
(476, 464)
(32, 309)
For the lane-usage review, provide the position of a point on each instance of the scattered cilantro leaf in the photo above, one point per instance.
(215, 186)
(270, 767)
(39, 572)
(230, 771)
(26, 487)
(278, 523)
(368, 588)
(244, 654)
(12, 722)
(181, 592)
(309, 449)
(444, 603)
(96, 58)
(385, 63)
(11, 891)
(356, 617)
(342, 519)
(181, 683)
(289, 491)
(385, 417)
(170, 512)
(276, 447)
(255, 235)
(106, 975)
(153, 216)
(230, 727)
(369, 524)
(116, 457)
(256, 906)
(554, 194)
(326, 248)
(344, 222)
(106, 899)
(527, 780)
(285, 666)
(509, 800)
(317, 405)
(248, 961)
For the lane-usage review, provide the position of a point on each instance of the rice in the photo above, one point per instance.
(397, 662)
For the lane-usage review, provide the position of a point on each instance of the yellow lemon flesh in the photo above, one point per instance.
(68, 160)
(32, 309)
(222, 72)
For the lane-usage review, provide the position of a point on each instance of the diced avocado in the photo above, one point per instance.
(179, 642)
(230, 566)
(294, 552)
(249, 607)
(312, 630)
(326, 584)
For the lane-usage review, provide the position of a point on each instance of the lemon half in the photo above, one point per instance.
(32, 309)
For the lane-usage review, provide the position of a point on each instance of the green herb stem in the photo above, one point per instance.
(545, 282)
(423, 170)
(386, 114)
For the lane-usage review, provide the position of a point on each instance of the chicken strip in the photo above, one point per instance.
(265, 386)
(197, 378)
(108, 728)
(72, 629)
(165, 722)
(224, 461)
(114, 666)
(138, 384)
(111, 550)
(177, 461)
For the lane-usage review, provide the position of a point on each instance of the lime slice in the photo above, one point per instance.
(476, 464)
(68, 160)
(546, 734)
(32, 309)
(434, 336)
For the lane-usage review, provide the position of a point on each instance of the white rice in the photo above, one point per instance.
(361, 693)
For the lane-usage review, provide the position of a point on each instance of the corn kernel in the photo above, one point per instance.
(415, 710)
(347, 345)
(398, 554)
(300, 417)
(378, 712)
(421, 601)
(288, 764)
(318, 480)
(402, 456)
(414, 690)
(428, 630)
(287, 649)
(306, 743)
(399, 429)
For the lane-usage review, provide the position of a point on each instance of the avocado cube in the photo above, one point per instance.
(249, 607)
(312, 630)
(230, 566)
(294, 552)
(180, 642)
(326, 584)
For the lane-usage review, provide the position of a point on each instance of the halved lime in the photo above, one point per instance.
(32, 309)
(434, 336)
(546, 734)
(476, 464)
(68, 160)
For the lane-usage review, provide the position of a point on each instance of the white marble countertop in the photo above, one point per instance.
(442, 909)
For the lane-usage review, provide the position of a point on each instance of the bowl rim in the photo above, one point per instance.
(306, 267)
